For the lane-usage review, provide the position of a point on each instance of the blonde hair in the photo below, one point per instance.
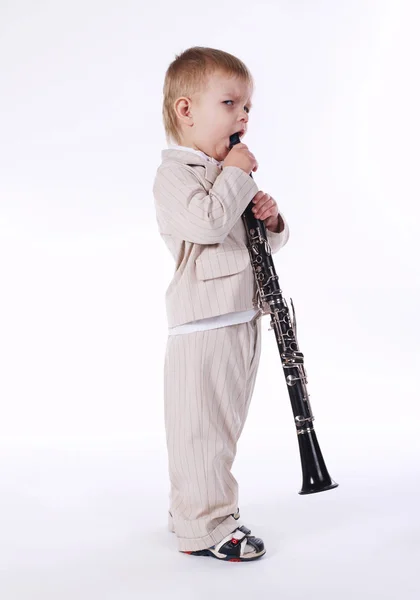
(188, 74)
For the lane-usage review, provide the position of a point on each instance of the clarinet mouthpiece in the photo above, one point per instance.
(234, 139)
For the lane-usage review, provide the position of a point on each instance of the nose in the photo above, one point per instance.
(243, 119)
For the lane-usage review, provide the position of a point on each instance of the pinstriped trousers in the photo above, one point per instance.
(209, 378)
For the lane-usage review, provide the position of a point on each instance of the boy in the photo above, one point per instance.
(201, 190)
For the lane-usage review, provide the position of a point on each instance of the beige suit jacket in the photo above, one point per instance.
(198, 211)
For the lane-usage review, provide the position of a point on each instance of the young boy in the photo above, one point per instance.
(201, 189)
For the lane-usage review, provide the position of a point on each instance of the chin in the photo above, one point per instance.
(226, 150)
(222, 155)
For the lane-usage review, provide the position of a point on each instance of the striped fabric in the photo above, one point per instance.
(208, 158)
(233, 318)
(209, 377)
(198, 211)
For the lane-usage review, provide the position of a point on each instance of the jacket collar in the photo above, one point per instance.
(191, 158)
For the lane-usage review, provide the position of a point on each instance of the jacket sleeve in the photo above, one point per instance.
(185, 209)
(278, 240)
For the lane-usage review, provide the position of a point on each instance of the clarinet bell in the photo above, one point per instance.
(315, 474)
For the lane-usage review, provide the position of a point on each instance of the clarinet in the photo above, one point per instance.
(271, 301)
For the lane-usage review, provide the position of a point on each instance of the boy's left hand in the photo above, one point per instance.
(265, 208)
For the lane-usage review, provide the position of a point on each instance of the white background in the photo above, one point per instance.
(83, 272)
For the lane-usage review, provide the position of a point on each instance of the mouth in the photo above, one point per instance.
(241, 133)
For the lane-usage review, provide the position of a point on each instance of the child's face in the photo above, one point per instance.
(218, 112)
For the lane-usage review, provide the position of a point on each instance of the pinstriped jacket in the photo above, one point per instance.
(198, 210)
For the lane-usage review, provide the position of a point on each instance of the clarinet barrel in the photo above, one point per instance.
(271, 301)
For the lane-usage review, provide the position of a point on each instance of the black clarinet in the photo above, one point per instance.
(271, 301)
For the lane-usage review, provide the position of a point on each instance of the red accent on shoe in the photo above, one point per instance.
(234, 541)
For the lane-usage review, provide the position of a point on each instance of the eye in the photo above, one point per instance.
(246, 107)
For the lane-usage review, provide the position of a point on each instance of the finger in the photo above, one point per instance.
(265, 213)
(266, 204)
(258, 196)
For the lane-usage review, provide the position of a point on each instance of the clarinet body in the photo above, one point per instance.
(271, 301)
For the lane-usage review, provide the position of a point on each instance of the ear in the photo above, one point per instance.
(182, 109)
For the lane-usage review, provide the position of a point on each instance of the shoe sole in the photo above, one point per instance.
(225, 558)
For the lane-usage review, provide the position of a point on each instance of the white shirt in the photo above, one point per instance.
(221, 320)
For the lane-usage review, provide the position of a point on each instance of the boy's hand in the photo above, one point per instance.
(240, 156)
(265, 208)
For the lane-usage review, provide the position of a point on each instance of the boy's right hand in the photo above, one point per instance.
(240, 156)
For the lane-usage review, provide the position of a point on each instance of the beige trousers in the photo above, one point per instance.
(209, 378)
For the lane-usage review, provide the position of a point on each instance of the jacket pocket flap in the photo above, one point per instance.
(221, 264)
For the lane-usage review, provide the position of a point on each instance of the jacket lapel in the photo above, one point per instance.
(211, 171)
